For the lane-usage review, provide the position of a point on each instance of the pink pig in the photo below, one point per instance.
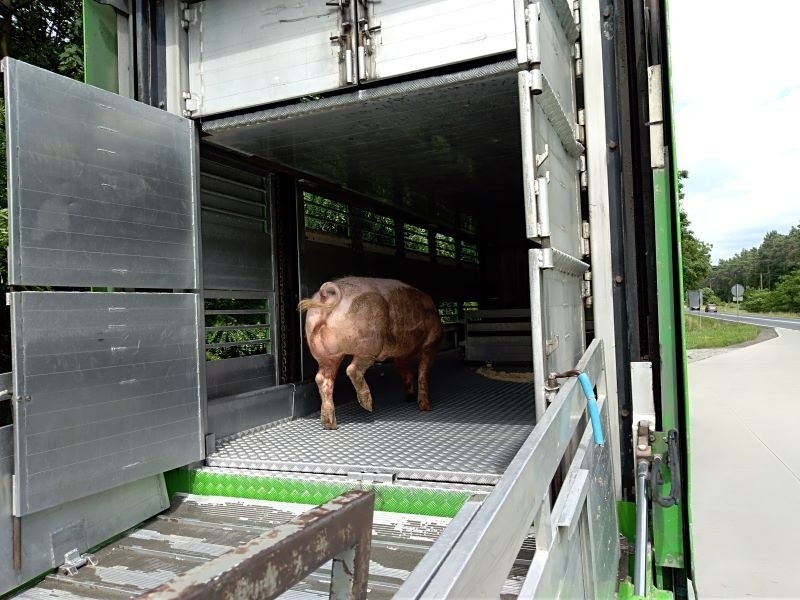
(371, 320)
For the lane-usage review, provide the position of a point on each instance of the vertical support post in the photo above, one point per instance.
(600, 238)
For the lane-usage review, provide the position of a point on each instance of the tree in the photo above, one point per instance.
(696, 253)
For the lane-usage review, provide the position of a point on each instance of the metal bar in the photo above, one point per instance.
(415, 585)
(238, 295)
(239, 311)
(492, 314)
(482, 557)
(535, 260)
(253, 203)
(528, 153)
(249, 186)
(600, 239)
(272, 563)
(231, 213)
(238, 327)
(523, 326)
(640, 558)
(259, 342)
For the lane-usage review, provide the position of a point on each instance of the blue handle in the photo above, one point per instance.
(594, 413)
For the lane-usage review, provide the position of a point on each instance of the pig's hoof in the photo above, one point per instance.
(329, 422)
(330, 426)
(424, 406)
(365, 401)
(411, 398)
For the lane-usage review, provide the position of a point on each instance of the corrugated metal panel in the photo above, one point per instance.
(101, 187)
(236, 207)
(110, 391)
(415, 35)
(261, 52)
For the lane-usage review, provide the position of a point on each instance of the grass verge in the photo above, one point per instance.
(713, 333)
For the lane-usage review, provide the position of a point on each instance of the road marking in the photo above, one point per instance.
(766, 319)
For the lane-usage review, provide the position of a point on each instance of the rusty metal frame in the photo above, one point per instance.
(276, 560)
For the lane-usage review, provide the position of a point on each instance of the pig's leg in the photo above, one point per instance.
(326, 375)
(404, 369)
(425, 363)
(355, 371)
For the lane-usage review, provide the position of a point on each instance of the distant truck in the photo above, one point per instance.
(695, 299)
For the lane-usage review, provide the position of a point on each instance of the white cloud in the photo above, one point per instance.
(737, 98)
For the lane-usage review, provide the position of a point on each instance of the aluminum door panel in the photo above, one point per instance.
(564, 326)
(416, 35)
(101, 188)
(563, 188)
(252, 52)
(108, 391)
(558, 64)
(81, 524)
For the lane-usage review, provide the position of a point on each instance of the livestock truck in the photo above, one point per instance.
(695, 299)
(513, 159)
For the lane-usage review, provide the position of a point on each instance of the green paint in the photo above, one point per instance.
(626, 592)
(667, 522)
(388, 498)
(100, 46)
(685, 438)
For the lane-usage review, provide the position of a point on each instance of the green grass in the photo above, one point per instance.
(712, 333)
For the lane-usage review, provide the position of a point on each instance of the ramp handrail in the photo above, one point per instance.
(475, 561)
(276, 560)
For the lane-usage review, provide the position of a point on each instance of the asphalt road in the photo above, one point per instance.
(785, 322)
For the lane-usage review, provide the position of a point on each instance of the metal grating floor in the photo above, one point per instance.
(474, 430)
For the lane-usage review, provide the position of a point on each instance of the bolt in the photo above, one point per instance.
(612, 145)
(624, 412)
(607, 12)
(642, 446)
(652, 437)
(618, 279)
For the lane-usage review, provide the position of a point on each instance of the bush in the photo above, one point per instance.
(757, 300)
(709, 297)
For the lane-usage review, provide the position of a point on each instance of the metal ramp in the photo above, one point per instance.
(476, 427)
(199, 528)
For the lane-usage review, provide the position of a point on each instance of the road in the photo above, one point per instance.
(745, 463)
(785, 322)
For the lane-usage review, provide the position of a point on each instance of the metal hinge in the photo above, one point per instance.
(576, 12)
(542, 205)
(188, 15)
(586, 289)
(365, 477)
(578, 60)
(582, 170)
(74, 560)
(191, 103)
(580, 134)
(586, 246)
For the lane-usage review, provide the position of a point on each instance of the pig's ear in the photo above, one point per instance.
(329, 289)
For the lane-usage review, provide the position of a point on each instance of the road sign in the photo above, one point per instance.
(738, 298)
(737, 291)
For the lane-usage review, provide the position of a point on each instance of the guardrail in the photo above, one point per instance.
(475, 553)
(276, 560)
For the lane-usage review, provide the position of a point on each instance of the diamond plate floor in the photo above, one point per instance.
(475, 429)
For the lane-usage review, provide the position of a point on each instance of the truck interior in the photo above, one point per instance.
(413, 173)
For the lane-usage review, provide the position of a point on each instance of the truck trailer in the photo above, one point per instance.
(513, 159)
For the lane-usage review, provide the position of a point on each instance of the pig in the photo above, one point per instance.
(371, 320)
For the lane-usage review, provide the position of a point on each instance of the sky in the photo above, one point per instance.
(736, 92)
